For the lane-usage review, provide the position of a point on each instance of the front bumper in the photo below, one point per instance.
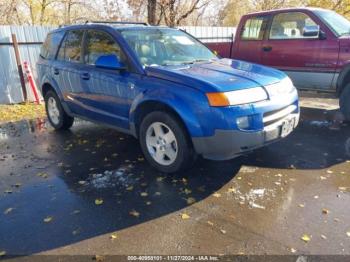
(228, 144)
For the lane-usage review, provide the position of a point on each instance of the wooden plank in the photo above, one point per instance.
(19, 67)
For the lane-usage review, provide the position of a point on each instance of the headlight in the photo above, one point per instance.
(285, 86)
(238, 97)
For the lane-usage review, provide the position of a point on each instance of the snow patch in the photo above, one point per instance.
(109, 179)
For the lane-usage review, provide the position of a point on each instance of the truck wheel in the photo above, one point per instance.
(344, 102)
(165, 143)
(58, 118)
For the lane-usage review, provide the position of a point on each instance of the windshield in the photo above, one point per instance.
(337, 23)
(165, 46)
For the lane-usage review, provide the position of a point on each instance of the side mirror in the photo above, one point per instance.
(311, 31)
(110, 62)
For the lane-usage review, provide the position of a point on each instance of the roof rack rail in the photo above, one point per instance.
(117, 22)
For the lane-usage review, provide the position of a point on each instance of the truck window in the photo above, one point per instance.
(254, 28)
(290, 25)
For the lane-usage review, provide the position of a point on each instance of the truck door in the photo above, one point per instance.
(310, 61)
(249, 39)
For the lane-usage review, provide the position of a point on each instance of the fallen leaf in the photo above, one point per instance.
(210, 223)
(231, 190)
(2, 253)
(223, 231)
(187, 191)
(144, 194)
(134, 213)
(190, 200)
(217, 195)
(48, 219)
(43, 175)
(305, 238)
(185, 216)
(98, 201)
(130, 188)
(9, 210)
(99, 258)
(325, 211)
(113, 236)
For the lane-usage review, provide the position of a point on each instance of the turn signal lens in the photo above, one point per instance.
(218, 99)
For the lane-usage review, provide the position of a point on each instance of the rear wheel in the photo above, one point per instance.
(58, 118)
(344, 102)
(165, 143)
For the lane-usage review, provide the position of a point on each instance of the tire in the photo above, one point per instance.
(165, 142)
(58, 118)
(344, 102)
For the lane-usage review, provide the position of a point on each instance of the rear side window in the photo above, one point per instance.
(49, 48)
(290, 25)
(99, 43)
(70, 49)
(254, 28)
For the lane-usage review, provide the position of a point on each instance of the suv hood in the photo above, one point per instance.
(219, 75)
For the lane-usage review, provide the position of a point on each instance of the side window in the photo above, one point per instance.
(71, 46)
(254, 28)
(290, 25)
(99, 43)
(49, 48)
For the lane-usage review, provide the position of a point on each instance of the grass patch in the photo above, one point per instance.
(10, 113)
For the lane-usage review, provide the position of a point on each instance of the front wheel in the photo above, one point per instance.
(58, 118)
(165, 143)
(344, 102)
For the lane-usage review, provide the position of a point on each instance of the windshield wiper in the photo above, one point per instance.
(195, 61)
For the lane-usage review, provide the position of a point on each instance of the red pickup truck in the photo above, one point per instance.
(311, 45)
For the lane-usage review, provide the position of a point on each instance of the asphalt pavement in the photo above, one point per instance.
(89, 191)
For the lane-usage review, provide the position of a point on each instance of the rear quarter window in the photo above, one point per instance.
(254, 28)
(49, 47)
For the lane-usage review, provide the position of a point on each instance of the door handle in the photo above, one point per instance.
(56, 71)
(85, 76)
(267, 48)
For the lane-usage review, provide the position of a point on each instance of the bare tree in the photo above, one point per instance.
(174, 12)
(151, 11)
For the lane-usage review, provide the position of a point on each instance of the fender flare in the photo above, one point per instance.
(343, 79)
(53, 83)
(174, 102)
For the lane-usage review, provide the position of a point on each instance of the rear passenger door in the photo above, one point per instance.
(108, 93)
(309, 61)
(67, 70)
(251, 37)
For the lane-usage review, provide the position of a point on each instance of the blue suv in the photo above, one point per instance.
(166, 88)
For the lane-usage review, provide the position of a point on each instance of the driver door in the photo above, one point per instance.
(309, 61)
(108, 92)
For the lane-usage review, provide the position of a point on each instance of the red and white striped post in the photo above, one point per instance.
(31, 81)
